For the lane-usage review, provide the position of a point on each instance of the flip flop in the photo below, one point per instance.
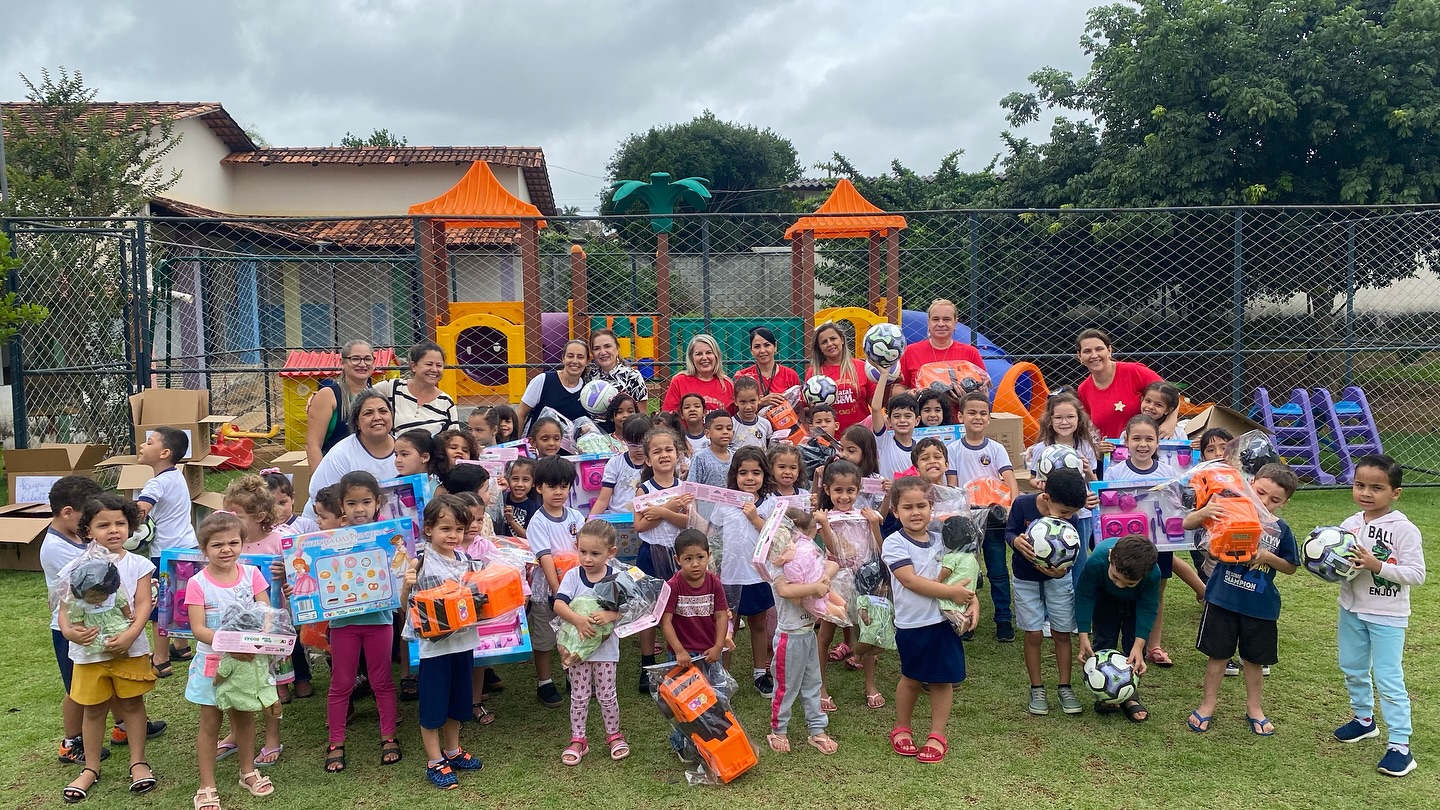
(261, 762)
(1258, 723)
(1198, 722)
(225, 750)
(852, 662)
(823, 743)
(875, 701)
(1159, 658)
(827, 704)
(778, 744)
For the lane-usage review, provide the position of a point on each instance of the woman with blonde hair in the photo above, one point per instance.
(704, 374)
(830, 357)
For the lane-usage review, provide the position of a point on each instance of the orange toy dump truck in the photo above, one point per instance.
(689, 702)
(1235, 533)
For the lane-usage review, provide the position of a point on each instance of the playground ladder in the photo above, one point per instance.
(1351, 426)
(1296, 435)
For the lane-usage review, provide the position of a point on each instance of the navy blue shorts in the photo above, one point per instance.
(657, 561)
(931, 654)
(749, 600)
(1166, 561)
(62, 657)
(445, 694)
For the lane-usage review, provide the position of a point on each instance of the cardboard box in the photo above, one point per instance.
(22, 529)
(127, 475)
(29, 474)
(206, 504)
(1219, 416)
(295, 465)
(180, 408)
(1009, 430)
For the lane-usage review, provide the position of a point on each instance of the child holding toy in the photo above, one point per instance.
(1118, 596)
(595, 545)
(622, 473)
(697, 616)
(746, 593)
(840, 497)
(545, 437)
(798, 654)
(521, 501)
(1065, 422)
(445, 662)
(329, 514)
(894, 428)
(551, 532)
(63, 544)
(659, 524)
(972, 457)
(165, 499)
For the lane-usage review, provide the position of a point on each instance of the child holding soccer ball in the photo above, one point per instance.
(1117, 598)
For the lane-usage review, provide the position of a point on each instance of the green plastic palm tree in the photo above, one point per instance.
(660, 196)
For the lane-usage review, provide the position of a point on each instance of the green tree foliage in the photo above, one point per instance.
(15, 317)
(377, 137)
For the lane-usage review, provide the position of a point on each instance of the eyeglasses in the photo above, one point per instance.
(361, 360)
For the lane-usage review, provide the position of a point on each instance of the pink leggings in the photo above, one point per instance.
(346, 644)
(603, 675)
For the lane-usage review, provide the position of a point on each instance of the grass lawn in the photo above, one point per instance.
(999, 754)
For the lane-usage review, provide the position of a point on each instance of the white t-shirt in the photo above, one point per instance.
(436, 564)
(971, 463)
(348, 455)
(623, 477)
(750, 434)
(738, 537)
(665, 532)
(1129, 472)
(56, 552)
(574, 584)
(216, 596)
(892, 455)
(131, 567)
(434, 416)
(911, 609)
(548, 535)
(169, 500)
(533, 388)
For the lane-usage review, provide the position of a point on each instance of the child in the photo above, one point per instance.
(545, 437)
(1043, 593)
(224, 581)
(1242, 608)
(469, 479)
(595, 545)
(857, 446)
(1212, 448)
(507, 424)
(658, 525)
(457, 445)
(930, 652)
(786, 465)
(931, 461)
(445, 662)
(823, 425)
(750, 429)
(1161, 402)
(840, 495)
(1375, 609)
(1066, 422)
(692, 422)
(416, 453)
(166, 500)
(520, 501)
(697, 615)
(282, 491)
(972, 457)
(483, 423)
(746, 593)
(798, 655)
(552, 531)
(622, 406)
(119, 675)
(1119, 593)
(329, 513)
(622, 472)
(935, 408)
(711, 464)
(62, 545)
(894, 429)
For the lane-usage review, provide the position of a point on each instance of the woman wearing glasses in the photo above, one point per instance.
(325, 414)
(417, 401)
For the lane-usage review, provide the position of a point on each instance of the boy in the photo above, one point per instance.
(750, 430)
(1119, 592)
(520, 501)
(1045, 593)
(329, 512)
(823, 424)
(1242, 607)
(696, 616)
(61, 546)
(797, 659)
(1375, 609)
(711, 464)
(552, 530)
(894, 429)
(972, 457)
(165, 499)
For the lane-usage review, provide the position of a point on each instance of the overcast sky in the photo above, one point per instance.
(874, 81)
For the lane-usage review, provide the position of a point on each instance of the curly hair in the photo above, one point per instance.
(251, 495)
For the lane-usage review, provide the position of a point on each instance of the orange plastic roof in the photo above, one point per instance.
(846, 200)
(477, 194)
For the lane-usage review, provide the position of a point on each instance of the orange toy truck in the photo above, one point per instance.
(439, 611)
(689, 702)
(501, 586)
(1235, 533)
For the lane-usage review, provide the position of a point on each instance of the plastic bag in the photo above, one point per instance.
(1252, 450)
(706, 735)
(92, 597)
(958, 377)
(803, 563)
(442, 604)
(875, 616)
(853, 538)
(567, 428)
(1244, 525)
(784, 420)
(636, 596)
(589, 438)
(575, 648)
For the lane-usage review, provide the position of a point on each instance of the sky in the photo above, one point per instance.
(874, 81)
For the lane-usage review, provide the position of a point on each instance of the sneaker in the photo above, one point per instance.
(1069, 703)
(441, 776)
(1355, 731)
(1232, 668)
(1004, 632)
(1396, 762)
(72, 752)
(645, 688)
(550, 696)
(765, 685)
(1039, 704)
(153, 728)
(464, 761)
(1045, 630)
(968, 635)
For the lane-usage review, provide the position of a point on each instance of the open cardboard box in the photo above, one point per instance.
(1219, 416)
(127, 475)
(22, 530)
(295, 465)
(1009, 430)
(29, 474)
(181, 408)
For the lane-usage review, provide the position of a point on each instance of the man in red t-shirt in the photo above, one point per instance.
(939, 347)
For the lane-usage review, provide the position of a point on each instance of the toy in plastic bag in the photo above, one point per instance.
(1250, 451)
(988, 492)
(589, 438)
(961, 540)
(784, 421)
(705, 732)
(1241, 526)
(575, 648)
(875, 616)
(803, 564)
(243, 680)
(853, 539)
(255, 629)
(92, 598)
(441, 604)
(638, 598)
(959, 377)
(567, 428)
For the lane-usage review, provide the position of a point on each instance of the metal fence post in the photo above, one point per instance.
(19, 412)
(974, 271)
(141, 264)
(1237, 340)
(1350, 303)
(705, 270)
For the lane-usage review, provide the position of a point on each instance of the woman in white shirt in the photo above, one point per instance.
(417, 401)
(370, 448)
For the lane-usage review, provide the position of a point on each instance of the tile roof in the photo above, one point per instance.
(301, 363)
(128, 116)
(810, 184)
(393, 233)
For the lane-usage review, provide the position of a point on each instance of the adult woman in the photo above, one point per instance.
(1112, 392)
(371, 447)
(704, 374)
(830, 356)
(774, 378)
(418, 402)
(326, 412)
(607, 366)
(558, 389)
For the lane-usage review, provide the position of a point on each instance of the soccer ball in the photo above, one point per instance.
(1058, 457)
(595, 397)
(820, 390)
(883, 344)
(1329, 553)
(142, 535)
(1056, 543)
(1109, 676)
(873, 373)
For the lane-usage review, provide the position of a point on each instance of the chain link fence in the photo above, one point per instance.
(1219, 301)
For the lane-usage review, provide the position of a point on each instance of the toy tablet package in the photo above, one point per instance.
(706, 731)
(575, 648)
(254, 629)
(347, 571)
(590, 475)
(1141, 507)
(177, 566)
(405, 497)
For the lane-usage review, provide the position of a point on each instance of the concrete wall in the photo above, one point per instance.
(203, 181)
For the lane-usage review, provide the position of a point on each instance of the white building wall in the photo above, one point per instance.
(330, 190)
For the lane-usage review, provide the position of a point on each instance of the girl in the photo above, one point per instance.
(658, 524)
(445, 663)
(416, 453)
(121, 675)
(483, 424)
(329, 514)
(457, 444)
(360, 504)
(1161, 402)
(1066, 422)
(545, 437)
(830, 356)
(747, 594)
(785, 466)
(930, 652)
(839, 496)
(623, 471)
(935, 408)
(692, 420)
(282, 490)
(931, 461)
(595, 545)
(621, 407)
(857, 446)
(224, 581)
(507, 430)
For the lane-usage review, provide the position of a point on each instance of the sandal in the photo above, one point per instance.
(1101, 707)
(875, 701)
(162, 670)
(1159, 658)
(1259, 723)
(257, 785)
(482, 715)
(73, 793)
(262, 762)
(925, 756)
(303, 689)
(224, 750)
(390, 751)
(905, 747)
(1133, 707)
(823, 743)
(207, 799)
(840, 652)
(827, 704)
(409, 688)
(852, 662)
(1198, 722)
(778, 744)
(144, 784)
(177, 654)
(335, 755)
(619, 749)
(575, 751)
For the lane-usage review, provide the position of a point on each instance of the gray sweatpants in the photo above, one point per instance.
(797, 674)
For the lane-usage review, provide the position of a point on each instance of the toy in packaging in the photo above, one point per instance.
(575, 648)
(959, 377)
(1175, 454)
(700, 713)
(503, 640)
(347, 571)
(177, 566)
(92, 598)
(442, 609)
(1141, 507)
(702, 511)
(639, 598)
(784, 423)
(405, 497)
(776, 532)
(988, 492)
(627, 545)
(875, 616)
(590, 439)
(316, 636)
(960, 540)
(254, 629)
(1243, 526)
(854, 540)
(500, 585)
(245, 636)
(803, 563)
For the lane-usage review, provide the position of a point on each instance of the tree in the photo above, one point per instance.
(15, 317)
(377, 137)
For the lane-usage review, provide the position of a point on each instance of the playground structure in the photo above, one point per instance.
(1312, 421)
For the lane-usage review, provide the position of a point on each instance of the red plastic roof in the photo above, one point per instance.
(301, 363)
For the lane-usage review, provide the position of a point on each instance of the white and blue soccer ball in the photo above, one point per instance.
(1058, 457)
(1329, 553)
(883, 344)
(819, 390)
(1110, 678)
(1055, 541)
(596, 396)
(873, 373)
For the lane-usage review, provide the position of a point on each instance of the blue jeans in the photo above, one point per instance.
(1370, 656)
(1086, 527)
(996, 551)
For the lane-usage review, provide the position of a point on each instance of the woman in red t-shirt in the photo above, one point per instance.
(1112, 392)
(830, 356)
(774, 378)
(704, 375)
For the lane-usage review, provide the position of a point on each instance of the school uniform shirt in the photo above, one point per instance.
(1251, 591)
(1112, 406)
(894, 457)
(347, 456)
(696, 443)
(899, 551)
(437, 566)
(1085, 450)
(169, 499)
(1384, 598)
(1024, 511)
(215, 596)
(574, 585)
(622, 476)
(790, 614)
(623, 377)
(751, 434)
(523, 510)
(988, 459)
(665, 532)
(432, 417)
(56, 552)
(131, 567)
(738, 538)
(852, 397)
(718, 392)
(692, 611)
(549, 535)
(1095, 580)
(1157, 471)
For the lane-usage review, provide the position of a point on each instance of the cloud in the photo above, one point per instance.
(875, 82)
